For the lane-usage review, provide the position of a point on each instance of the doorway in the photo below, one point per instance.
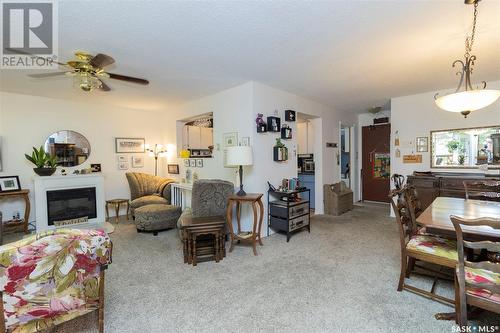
(345, 155)
(376, 162)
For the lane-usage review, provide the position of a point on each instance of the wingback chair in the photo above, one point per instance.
(209, 198)
(146, 189)
(52, 277)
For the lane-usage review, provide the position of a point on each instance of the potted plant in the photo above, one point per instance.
(45, 163)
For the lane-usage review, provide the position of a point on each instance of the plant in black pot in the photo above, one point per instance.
(45, 163)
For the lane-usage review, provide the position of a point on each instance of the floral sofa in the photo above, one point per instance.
(52, 277)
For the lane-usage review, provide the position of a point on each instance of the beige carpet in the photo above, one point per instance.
(341, 277)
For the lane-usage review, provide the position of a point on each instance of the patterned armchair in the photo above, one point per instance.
(209, 198)
(52, 277)
(146, 189)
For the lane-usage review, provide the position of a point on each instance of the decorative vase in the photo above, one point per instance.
(44, 171)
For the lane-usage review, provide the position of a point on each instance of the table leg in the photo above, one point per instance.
(117, 212)
(254, 231)
(261, 206)
(229, 218)
(238, 215)
(107, 211)
(216, 247)
(27, 210)
(194, 250)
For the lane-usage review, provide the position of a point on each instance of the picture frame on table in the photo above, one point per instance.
(199, 163)
(9, 184)
(130, 145)
(137, 161)
(173, 169)
(422, 144)
(96, 167)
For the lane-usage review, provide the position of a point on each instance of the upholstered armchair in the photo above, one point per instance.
(52, 277)
(209, 198)
(146, 189)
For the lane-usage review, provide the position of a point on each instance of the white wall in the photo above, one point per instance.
(26, 121)
(416, 115)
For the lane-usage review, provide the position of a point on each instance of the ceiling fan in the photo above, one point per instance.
(88, 71)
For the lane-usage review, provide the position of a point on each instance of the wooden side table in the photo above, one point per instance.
(196, 248)
(24, 194)
(255, 200)
(117, 203)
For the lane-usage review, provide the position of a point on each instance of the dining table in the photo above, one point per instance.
(436, 220)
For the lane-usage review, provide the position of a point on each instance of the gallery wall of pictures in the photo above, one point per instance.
(126, 146)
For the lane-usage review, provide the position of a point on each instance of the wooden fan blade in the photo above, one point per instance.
(104, 86)
(43, 75)
(32, 55)
(128, 78)
(101, 60)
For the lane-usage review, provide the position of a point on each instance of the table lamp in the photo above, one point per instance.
(239, 156)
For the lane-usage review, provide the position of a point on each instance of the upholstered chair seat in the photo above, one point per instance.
(433, 245)
(146, 189)
(483, 276)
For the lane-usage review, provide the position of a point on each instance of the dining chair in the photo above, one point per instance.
(482, 189)
(398, 181)
(423, 247)
(476, 283)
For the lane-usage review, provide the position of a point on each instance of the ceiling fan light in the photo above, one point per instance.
(471, 100)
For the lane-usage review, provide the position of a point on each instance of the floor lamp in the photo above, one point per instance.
(156, 152)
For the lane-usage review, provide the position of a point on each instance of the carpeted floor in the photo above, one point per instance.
(341, 277)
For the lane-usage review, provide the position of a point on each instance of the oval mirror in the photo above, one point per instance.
(70, 148)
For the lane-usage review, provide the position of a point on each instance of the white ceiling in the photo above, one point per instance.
(347, 54)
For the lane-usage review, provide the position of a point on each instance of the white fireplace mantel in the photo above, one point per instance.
(51, 183)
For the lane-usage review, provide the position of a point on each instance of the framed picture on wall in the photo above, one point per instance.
(186, 162)
(130, 145)
(199, 163)
(137, 162)
(245, 141)
(230, 139)
(192, 163)
(9, 183)
(122, 165)
(422, 144)
(173, 169)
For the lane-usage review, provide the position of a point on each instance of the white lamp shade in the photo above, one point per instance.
(471, 100)
(239, 155)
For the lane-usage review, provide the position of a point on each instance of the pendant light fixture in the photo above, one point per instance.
(466, 99)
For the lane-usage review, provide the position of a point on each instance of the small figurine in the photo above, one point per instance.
(63, 172)
(259, 120)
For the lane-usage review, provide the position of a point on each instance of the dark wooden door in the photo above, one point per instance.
(376, 168)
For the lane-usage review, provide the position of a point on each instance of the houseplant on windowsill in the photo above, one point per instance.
(45, 163)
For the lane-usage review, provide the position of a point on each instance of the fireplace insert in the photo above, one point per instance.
(76, 204)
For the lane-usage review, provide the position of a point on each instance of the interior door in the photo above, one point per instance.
(376, 165)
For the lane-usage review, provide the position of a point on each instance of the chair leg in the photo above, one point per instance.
(403, 272)
(101, 302)
(457, 300)
(411, 266)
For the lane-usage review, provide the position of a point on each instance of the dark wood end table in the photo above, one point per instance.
(196, 246)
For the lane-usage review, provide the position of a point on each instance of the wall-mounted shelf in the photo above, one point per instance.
(280, 154)
(273, 124)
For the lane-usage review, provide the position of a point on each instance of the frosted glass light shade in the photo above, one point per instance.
(471, 100)
(239, 155)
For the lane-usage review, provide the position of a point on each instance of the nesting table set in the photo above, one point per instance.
(203, 239)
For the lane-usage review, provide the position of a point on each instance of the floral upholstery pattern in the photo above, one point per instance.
(476, 275)
(434, 245)
(52, 277)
